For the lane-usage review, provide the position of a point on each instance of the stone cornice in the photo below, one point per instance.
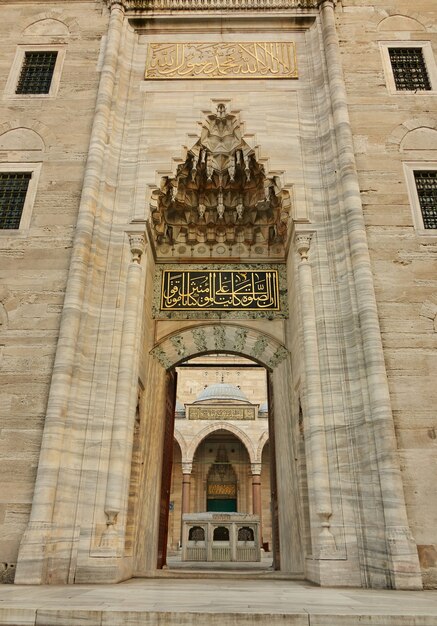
(216, 5)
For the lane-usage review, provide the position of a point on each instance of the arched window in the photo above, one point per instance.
(221, 533)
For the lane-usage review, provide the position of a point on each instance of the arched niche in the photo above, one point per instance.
(400, 23)
(420, 139)
(21, 139)
(425, 123)
(47, 27)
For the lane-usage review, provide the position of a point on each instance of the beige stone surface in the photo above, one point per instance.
(197, 602)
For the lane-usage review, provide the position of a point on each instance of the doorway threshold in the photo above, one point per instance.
(208, 570)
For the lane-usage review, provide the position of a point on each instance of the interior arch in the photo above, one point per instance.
(223, 426)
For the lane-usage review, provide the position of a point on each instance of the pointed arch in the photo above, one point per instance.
(263, 440)
(220, 337)
(222, 425)
(181, 443)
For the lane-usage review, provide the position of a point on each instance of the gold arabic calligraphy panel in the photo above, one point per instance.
(221, 60)
(229, 490)
(221, 413)
(219, 290)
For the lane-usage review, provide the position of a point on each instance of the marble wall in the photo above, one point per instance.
(354, 477)
(34, 262)
(391, 129)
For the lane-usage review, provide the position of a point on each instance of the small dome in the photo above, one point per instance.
(264, 407)
(179, 408)
(223, 392)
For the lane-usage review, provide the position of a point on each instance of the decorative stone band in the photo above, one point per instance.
(224, 338)
(221, 412)
(221, 5)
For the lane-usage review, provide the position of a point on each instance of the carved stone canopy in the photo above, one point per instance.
(220, 202)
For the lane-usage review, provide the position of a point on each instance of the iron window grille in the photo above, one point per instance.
(409, 69)
(13, 190)
(36, 72)
(426, 185)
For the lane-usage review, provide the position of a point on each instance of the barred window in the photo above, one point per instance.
(13, 190)
(36, 72)
(426, 185)
(409, 69)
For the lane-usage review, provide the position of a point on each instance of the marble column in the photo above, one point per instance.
(256, 494)
(324, 545)
(125, 401)
(186, 485)
(33, 554)
(401, 548)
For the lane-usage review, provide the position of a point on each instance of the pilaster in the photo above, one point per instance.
(46, 539)
(324, 545)
(125, 404)
(403, 567)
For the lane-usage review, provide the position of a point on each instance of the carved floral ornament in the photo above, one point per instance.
(220, 198)
(211, 5)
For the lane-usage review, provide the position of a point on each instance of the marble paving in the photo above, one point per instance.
(228, 602)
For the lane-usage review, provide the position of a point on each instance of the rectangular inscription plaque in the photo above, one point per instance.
(215, 489)
(219, 290)
(221, 413)
(221, 60)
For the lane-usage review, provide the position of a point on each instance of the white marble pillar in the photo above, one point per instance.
(256, 494)
(187, 468)
(324, 544)
(33, 553)
(125, 400)
(404, 566)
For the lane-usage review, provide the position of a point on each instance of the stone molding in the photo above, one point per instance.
(214, 5)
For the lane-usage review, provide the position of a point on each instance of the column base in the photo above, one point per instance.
(47, 554)
(404, 559)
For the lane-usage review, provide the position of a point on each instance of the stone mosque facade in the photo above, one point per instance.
(218, 285)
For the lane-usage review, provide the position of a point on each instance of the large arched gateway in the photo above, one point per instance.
(220, 214)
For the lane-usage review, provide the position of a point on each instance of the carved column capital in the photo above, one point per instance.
(119, 4)
(255, 468)
(303, 242)
(322, 3)
(137, 243)
(187, 467)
